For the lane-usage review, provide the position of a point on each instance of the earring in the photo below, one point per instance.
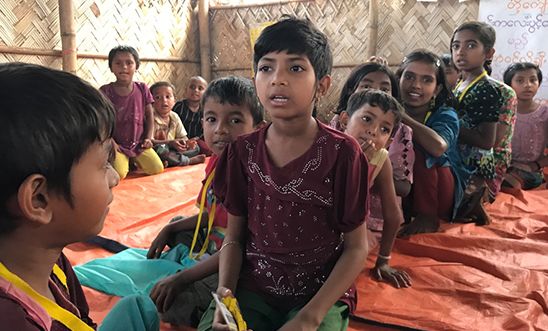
(432, 103)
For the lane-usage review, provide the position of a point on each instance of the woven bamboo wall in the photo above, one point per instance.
(404, 25)
(163, 29)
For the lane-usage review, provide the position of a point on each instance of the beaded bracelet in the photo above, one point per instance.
(384, 257)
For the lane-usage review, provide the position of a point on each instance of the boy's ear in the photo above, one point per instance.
(33, 200)
(343, 119)
(323, 85)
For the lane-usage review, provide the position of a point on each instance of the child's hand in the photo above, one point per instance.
(299, 323)
(167, 289)
(147, 143)
(179, 145)
(369, 149)
(378, 59)
(191, 144)
(159, 243)
(218, 320)
(395, 277)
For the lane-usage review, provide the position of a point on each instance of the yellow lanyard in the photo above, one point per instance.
(210, 219)
(483, 74)
(427, 117)
(56, 312)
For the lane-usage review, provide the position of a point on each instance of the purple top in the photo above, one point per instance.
(130, 116)
(296, 214)
(530, 135)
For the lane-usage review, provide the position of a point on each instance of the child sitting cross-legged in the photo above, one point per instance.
(231, 109)
(170, 138)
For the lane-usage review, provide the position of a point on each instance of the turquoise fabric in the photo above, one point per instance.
(130, 272)
(132, 313)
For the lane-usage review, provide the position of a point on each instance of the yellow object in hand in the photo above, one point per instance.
(232, 304)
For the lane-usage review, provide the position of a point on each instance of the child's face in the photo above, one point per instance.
(418, 84)
(123, 66)
(371, 123)
(467, 51)
(286, 85)
(223, 123)
(525, 83)
(452, 76)
(196, 87)
(163, 100)
(376, 80)
(92, 179)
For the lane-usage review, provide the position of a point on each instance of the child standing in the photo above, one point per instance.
(295, 193)
(438, 184)
(189, 109)
(134, 114)
(170, 138)
(52, 197)
(372, 118)
(531, 130)
(486, 109)
(231, 109)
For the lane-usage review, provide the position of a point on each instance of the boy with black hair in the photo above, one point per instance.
(55, 191)
(295, 192)
(231, 108)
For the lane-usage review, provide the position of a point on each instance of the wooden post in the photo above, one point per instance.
(205, 46)
(373, 29)
(68, 35)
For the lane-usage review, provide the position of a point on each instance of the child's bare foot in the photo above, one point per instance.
(197, 159)
(421, 224)
(480, 215)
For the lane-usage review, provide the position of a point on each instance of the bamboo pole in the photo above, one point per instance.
(373, 28)
(68, 35)
(205, 45)
(261, 4)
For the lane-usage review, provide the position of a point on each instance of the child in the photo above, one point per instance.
(451, 72)
(134, 114)
(189, 109)
(531, 130)
(54, 193)
(437, 185)
(372, 118)
(377, 76)
(170, 140)
(295, 193)
(486, 109)
(231, 109)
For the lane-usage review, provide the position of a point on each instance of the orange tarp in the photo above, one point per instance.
(464, 278)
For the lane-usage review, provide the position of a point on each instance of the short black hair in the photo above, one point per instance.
(235, 91)
(161, 84)
(356, 76)
(50, 118)
(376, 98)
(445, 97)
(511, 71)
(296, 36)
(124, 49)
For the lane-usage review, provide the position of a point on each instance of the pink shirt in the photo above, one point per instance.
(130, 116)
(530, 135)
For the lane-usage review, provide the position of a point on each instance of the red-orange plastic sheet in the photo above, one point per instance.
(464, 278)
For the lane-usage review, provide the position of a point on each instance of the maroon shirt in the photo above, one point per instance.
(17, 318)
(295, 214)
